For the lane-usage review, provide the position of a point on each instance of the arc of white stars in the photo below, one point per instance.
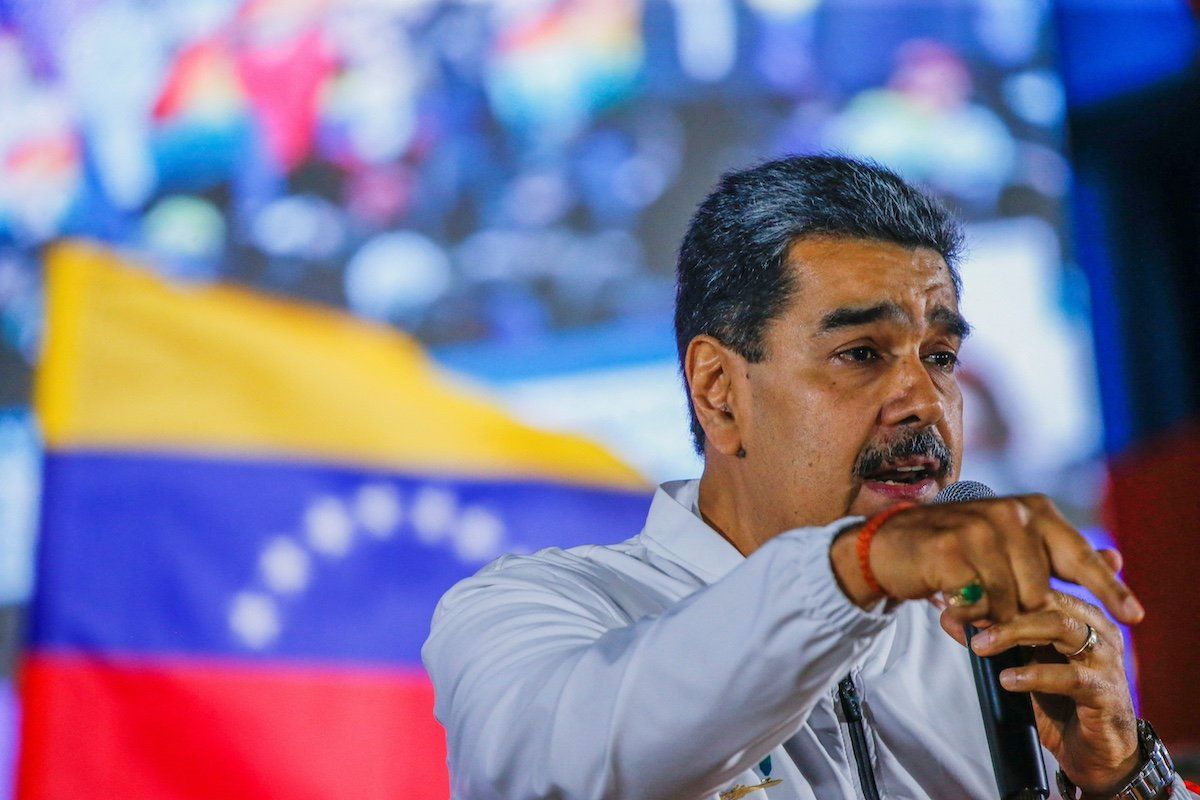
(327, 530)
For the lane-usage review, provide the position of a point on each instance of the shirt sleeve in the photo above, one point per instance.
(1181, 790)
(543, 695)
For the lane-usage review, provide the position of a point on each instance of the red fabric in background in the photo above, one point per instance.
(1155, 506)
(108, 728)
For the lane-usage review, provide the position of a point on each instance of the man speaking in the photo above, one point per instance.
(774, 628)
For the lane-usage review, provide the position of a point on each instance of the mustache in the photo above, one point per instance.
(923, 443)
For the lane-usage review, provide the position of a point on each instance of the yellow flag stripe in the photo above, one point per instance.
(135, 363)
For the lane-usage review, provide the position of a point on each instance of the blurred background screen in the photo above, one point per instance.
(507, 182)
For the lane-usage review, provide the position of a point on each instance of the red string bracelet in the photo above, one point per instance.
(863, 546)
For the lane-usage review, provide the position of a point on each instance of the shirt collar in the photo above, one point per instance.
(674, 525)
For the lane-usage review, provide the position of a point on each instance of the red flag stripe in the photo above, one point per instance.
(99, 728)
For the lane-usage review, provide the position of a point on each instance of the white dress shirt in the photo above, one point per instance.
(669, 666)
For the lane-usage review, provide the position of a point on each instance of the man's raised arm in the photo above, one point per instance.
(546, 690)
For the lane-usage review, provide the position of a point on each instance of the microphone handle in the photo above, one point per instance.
(1011, 729)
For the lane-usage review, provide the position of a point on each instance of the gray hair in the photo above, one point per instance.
(732, 278)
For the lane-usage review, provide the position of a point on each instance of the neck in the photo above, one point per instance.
(723, 508)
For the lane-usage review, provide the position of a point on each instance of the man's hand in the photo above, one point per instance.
(1010, 545)
(1084, 712)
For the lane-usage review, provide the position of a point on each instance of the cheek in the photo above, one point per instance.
(813, 423)
(951, 428)
(955, 414)
(808, 443)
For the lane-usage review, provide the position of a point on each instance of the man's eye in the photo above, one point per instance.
(859, 354)
(944, 360)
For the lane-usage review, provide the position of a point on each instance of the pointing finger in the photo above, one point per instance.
(1113, 558)
(1073, 559)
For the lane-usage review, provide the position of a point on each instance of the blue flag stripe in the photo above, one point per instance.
(165, 555)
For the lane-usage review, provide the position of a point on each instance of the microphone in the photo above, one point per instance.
(1008, 719)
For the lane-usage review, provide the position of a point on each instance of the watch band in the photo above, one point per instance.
(1152, 780)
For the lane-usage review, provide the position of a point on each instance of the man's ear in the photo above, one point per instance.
(710, 368)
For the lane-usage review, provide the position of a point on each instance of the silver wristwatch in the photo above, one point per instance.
(1150, 782)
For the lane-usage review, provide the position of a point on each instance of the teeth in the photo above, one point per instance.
(910, 469)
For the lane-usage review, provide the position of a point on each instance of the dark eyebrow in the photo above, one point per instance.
(953, 322)
(850, 317)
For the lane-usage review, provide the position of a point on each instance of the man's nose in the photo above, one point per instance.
(913, 398)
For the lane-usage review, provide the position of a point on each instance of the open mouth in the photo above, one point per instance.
(906, 472)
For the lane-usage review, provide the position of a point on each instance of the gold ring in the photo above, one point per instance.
(968, 595)
(1089, 644)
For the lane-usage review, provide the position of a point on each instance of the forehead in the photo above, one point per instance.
(842, 272)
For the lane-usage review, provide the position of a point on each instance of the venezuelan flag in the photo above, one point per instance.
(250, 510)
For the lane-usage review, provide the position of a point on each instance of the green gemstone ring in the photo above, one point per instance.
(968, 595)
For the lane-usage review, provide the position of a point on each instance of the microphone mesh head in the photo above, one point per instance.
(964, 492)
